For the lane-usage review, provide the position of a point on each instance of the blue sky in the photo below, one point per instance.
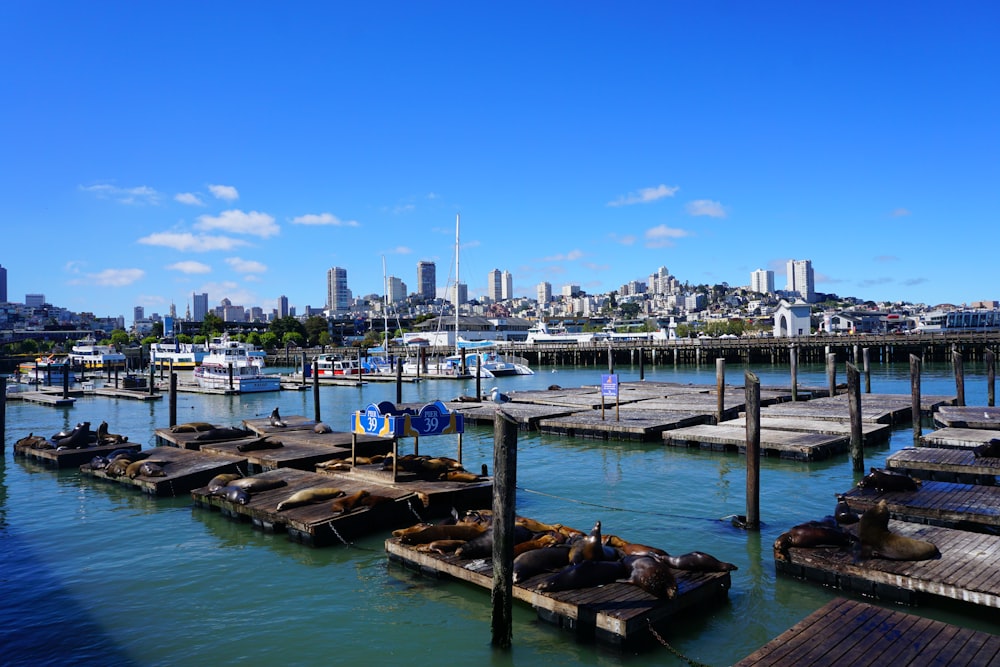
(155, 149)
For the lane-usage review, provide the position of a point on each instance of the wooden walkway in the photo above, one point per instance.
(617, 613)
(184, 470)
(955, 437)
(784, 444)
(968, 417)
(51, 398)
(966, 571)
(969, 506)
(848, 632)
(945, 465)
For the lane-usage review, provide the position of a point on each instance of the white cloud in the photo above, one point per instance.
(224, 192)
(190, 266)
(245, 265)
(568, 257)
(324, 219)
(186, 241)
(111, 278)
(189, 198)
(400, 250)
(142, 194)
(240, 222)
(663, 236)
(627, 239)
(713, 209)
(645, 195)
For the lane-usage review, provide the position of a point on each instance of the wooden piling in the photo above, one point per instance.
(65, 382)
(3, 412)
(152, 377)
(173, 399)
(642, 373)
(720, 389)
(793, 360)
(854, 406)
(958, 363)
(990, 378)
(315, 383)
(831, 373)
(504, 485)
(752, 387)
(915, 397)
(867, 370)
(304, 370)
(399, 380)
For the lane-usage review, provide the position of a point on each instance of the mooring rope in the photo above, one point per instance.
(693, 663)
(623, 509)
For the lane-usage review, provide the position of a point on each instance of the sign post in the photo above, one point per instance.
(609, 388)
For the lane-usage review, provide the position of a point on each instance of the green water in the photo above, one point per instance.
(95, 573)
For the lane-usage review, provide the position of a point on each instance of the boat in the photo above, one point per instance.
(87, 354)
(181, 355)
(491, 363)
(541, 332)
(256, 356)
(230, 367)
(47, 370)
(335, 365)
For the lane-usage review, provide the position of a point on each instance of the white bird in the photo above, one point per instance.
(497, 397)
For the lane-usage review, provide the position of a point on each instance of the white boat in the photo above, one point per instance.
(484, 354)
(221, 343)
(335, 365)
(86, 353)
(230, 367)
(541, 332)
(180, 355)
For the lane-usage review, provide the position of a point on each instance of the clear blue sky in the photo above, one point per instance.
(155, 149)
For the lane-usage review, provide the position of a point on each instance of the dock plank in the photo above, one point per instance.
(945, 465)
(784, 444)
(301, 448)
(871, 433)
(184, 469)
(972, 507)
(635, 425)
(977, 417)
(957, 438)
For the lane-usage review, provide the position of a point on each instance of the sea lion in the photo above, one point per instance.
(458, 531)
(78, 439)
(591, 547)
(322, 427)
(843, 513)
(883, 479)
(130, 454)
(533, 525)
(191, 427)
(441, 546)
(345, 504)
(152, 469)
(309, 496)
(652, 574)
(117, 468)
(538, 542)
(222, 479)
(536, 561)
(234, 494)
(105, 438)
(482, 545)
(459, 476)
(809, 535)
(275, 419)
(699, 561)
(227, 433)
(257, 484)
(99, 462)
(631, 548)
(132, 470)
(876, 539)
(585, 574)
(259, 444)
(990, 449)
(32, 441)
(372, 499)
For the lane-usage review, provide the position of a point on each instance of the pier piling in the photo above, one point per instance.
(752, 388)
(915, 397)
(504, 484)
(854, 406)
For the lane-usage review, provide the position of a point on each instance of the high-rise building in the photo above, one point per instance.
(494, 285)
(282, 306)
(338, 296)
(3, 285)
(138, 313)
(800, 279)
(762, 281)
(199, 304)
(458, 294)
(659, 282)
(506, 286)
(543, 292)
(570, 291)
(395, 290)
(34, 300)
(427, 280)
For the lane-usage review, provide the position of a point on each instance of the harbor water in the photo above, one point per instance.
(96, 573)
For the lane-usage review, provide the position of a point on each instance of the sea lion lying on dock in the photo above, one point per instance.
(537, 561)
(878, 541)
(652, 574)
(32, 441)
(105, 438)
(226, 433)
(810, 535)
(222, 479)
(80, 438)
(585, 574)
(259, 444)
(322, 427)
(192, 427)
(990, 449)
(309, 496)
(457, 531)
(883, 479)
(256, 484)
(345, 504)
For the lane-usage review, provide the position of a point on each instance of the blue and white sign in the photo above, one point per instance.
(609, 385)
(386, 421)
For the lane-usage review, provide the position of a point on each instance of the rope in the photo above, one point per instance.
(693, 663)
(622, 509)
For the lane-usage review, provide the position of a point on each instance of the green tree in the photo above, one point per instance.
(212, 325)
(315, 326)
(157, 330)
(149, 340)
(119, 338)
(268, 340)
(288, 324)
(254, 339)
(184, 338)
(293, 338)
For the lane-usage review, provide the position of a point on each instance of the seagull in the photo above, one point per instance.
(498, 397)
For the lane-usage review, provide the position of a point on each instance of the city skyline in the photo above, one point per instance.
(151, 164)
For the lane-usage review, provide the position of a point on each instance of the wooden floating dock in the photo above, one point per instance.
(131, 394)
(185, 470)
(969, 506)
(52, 398)
(945, 465)
(300, 449)
(617, 613)
(527, 415)
(783, 444)
(878, 408)
(958, 438)
(316, 524)
(633, 425)
(848, 632)
(966, 571)
(968, 417)
(871, 433)
(71, 458)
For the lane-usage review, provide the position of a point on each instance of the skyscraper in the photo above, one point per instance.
(427, 280)
(282, 306)
(543, 292)
(800, 279)
(199, 304)
(506, 286)
(338, 296)
(494, 285)
(396, 290)
(762, 281)
(138, 313)
(3, 285)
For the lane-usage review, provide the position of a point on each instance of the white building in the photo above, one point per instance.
(395, 289)
(543, 293)
(792, 319)
(800, 279)
(762, 281)
(338, 296)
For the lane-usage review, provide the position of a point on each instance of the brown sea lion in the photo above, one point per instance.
(105, 438)
(191, 427)
(699, 561)
(536, 561)
(652, 574)
(32, 441)
(585, 574)
(322, 427)
(990, 449)
(399, 532)
(878, 541)
(458, 531)
(459, 476)
(631, 548)
(222, 479)
(810, 535)
(591, 547)
(220, 434)
(534, 526)
(259, 444)
(257, 484)
(538, 542)
(236, 495)
(151, 469)
(373, 499)
(884, 479)
(78, 439)
(309, 496)
(345, 504)
(441, 546)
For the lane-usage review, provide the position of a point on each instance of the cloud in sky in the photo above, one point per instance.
(186, 241)
(240, 222)
(189, 266)
(142, 194)
(245, 265)
(111, 278)
(873, 282)
(400, 250)
(645, 195)
(663, 236)
(712, 209)
(627, 239)
(572, 255)
(224, 192)
(324, 219)
(189, 198)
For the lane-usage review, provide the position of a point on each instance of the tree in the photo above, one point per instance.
(184, 338)
(212, 325)
(268, 340)
(315, 326)
(287, 324)
(293, 338)
(119, 338)
(157, 330)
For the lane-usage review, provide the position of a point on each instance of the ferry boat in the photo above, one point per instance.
(334, 365)
(541, 332)
(183, 356)
(230, 367)
(86, 353)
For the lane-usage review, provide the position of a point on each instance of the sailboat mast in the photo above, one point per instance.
(457, 282)
(385, 306)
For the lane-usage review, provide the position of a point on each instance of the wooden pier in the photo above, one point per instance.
(796, 445)
(945, 465)
(966, 570)
(968, 417)
(51, 398)
(958, 438)
(617, 613)
(301, 449)
(969, 506)
(183, 469)
(871, 433)
(71, 458)
(878, 408)
(633, 425)
(848, 632)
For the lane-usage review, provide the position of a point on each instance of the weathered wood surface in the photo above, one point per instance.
(945, 465)
(43, 398)
(849, 632)
(966, 571)
(438, 496)
(872, 433)
(879, 408)
(262, 425)
(785, 444)
(526, 415)
(959, 438)
(130, 394)
(184, 470)
(968, 417)
(301, 449)
(970, 506)
(71, 458)
(635, 425)
(617, 613)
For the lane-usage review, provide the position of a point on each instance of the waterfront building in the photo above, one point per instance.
(199, 304)
(427, 280)
(762, 281)
(338, 296)
(395, 290)
(800, 279)
(792, 319)
(543, 293)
